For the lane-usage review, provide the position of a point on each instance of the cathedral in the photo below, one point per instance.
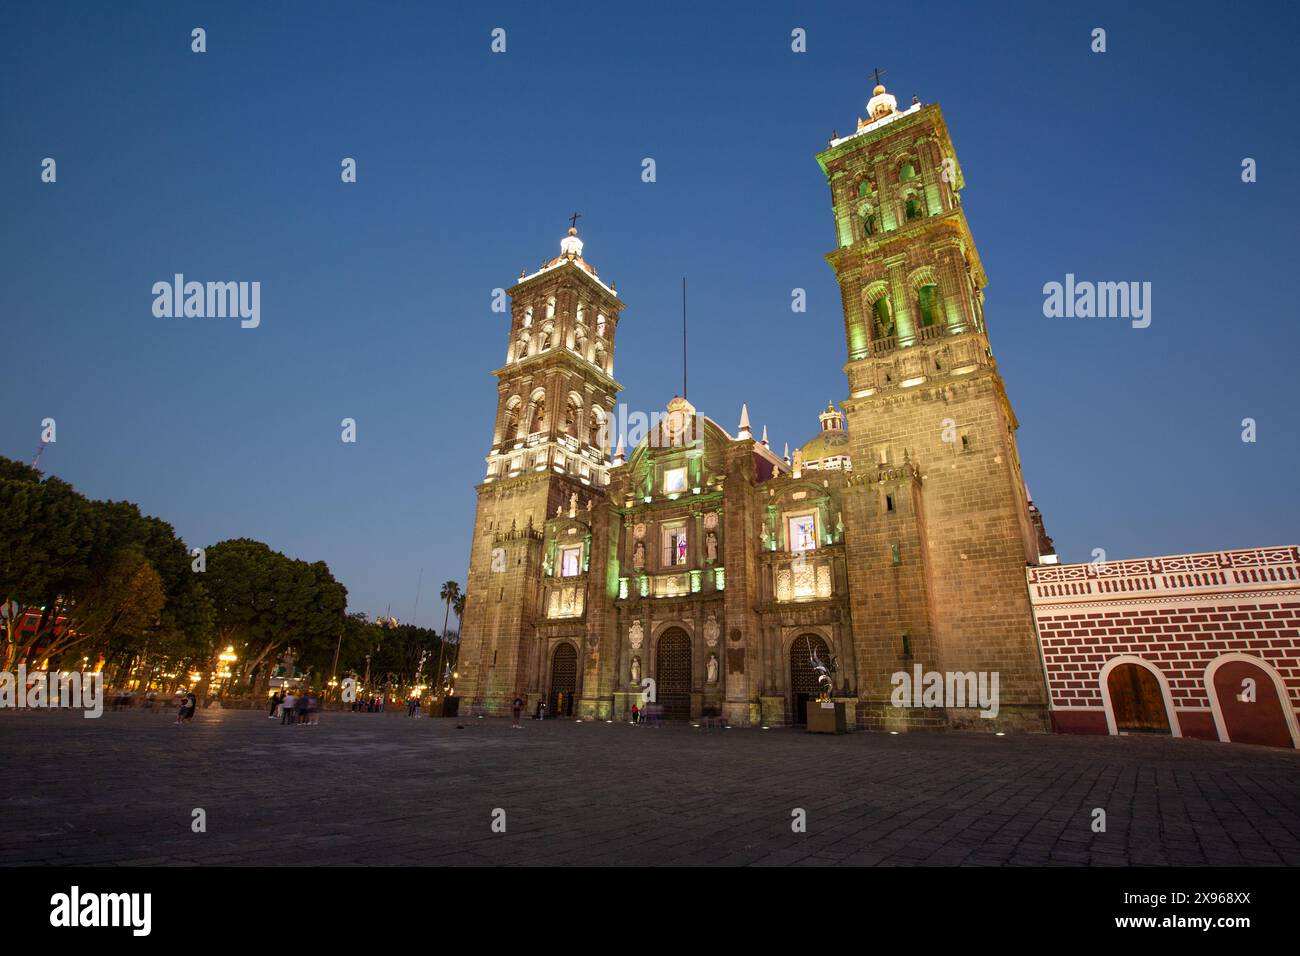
(897, 537)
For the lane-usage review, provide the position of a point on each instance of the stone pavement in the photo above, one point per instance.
(385, 789)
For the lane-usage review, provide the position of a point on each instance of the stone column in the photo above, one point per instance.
(857, 325)
(901, 299)
(953, 286)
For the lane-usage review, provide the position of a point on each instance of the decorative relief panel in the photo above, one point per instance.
(804, 580)
(672, 585)
(567, 601)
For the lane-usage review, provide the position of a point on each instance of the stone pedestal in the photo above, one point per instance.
(773, 711)
(739, 713)
(594, 708)
(850, 711)
(827, 717)
(623, 701)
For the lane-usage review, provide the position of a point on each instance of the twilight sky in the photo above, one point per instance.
(1122, 166)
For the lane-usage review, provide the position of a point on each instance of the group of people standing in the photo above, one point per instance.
(189, 704)
(293, 708)
(517, 710)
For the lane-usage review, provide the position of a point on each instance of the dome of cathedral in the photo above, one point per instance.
(831, 442)
(825, 445)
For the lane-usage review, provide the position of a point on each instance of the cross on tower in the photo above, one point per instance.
(573, 220)
(878, 73)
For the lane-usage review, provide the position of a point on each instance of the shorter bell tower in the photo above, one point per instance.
(556, 396)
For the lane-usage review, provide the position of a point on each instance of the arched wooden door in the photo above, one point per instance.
(673, 673)
(1136, 701)
(1248, 701)
(803, 680)
(564, 680)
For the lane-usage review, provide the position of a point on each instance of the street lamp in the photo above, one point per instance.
(227, 660)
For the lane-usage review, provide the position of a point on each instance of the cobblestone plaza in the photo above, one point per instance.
(377, 789)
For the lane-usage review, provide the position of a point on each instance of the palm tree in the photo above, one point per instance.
(450, 594)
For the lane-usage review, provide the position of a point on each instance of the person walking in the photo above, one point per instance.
(275, 704)
(636, 714)
(516, 709)
(304, 701)
(287, 707)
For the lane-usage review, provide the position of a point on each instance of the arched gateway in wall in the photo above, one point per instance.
(673, 673)
(564, 681)
(803, 680)
(1137, 700)
(1249, 701)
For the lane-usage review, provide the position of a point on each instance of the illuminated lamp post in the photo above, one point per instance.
(225, 666)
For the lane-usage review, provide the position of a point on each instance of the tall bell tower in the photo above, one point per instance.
(939, 531)
(550, 449)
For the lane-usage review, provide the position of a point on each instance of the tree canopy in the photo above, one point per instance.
(98, 580)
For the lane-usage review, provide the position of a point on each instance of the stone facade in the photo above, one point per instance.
(711, 566)
(939, 526)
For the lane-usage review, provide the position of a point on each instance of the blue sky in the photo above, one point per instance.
(376, 296)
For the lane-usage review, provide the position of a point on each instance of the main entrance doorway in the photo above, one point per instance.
(564, 681)
(673, 673)
(1135, 698)
(803, 679)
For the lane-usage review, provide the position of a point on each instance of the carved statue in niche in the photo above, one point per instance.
(573, 505)
(711, 547)
(797, 464)
(713, 668)
(636, 670)
(638, 556)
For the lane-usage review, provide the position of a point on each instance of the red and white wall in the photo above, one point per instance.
(1216, 637)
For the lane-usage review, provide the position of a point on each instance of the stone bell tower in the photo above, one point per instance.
(939, 531)
(550, 443)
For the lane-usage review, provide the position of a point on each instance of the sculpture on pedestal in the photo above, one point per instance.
(823, 670)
